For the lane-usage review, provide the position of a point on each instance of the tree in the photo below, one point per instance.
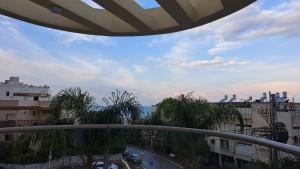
(186, 111)
(70, 106)
(121, 108)
(74, 106)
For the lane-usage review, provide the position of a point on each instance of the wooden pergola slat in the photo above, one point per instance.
(129, 11)
(77, 14)
(180, 10)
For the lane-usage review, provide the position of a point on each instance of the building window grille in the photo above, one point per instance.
(225, 145)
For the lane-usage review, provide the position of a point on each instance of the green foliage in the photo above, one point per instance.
(290, 163)
(74, 106)
(5, 152)
(186, 111)
(122, 107)
(20, 153)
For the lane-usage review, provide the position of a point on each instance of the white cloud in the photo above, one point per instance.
(222, 46)
(233, 31)
(139, 68)
(23, 57)
(217, 63)
(68, 38)
(153, 59)
(255, 23)
(184, 55)
(65, 72)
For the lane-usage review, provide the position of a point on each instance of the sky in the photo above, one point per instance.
(252, 51)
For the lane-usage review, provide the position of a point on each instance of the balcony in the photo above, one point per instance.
(242, 154)
(8, 123)
(24, 105)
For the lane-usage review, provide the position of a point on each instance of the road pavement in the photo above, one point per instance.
(152, 160)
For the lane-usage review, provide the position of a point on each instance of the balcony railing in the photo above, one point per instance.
(7, 123)
(250, 139)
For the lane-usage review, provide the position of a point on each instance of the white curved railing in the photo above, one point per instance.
(250, 139)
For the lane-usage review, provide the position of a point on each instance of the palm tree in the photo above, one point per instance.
(121, 108)
(70, 106)
(74, 106)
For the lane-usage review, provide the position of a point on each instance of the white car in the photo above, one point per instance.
(113, 166)
(100, 165)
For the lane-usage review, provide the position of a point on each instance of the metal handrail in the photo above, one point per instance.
(250, 139)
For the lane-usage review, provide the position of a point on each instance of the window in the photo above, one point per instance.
(296, 140)
(10, 117)
(9, 137)
(7, 93)
(36, 98)
(33, 113)
(225, 145)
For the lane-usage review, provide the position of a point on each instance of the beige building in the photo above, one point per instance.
(255, 116)
(22, 105)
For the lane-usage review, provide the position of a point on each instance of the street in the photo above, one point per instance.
(151, 160)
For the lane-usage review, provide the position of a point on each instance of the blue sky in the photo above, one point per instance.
(252, 51)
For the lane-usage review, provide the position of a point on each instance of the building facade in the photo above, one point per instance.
(22, 105)
(256, 117)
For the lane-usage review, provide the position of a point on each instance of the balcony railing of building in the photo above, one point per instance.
(7, 123)
(249, 139)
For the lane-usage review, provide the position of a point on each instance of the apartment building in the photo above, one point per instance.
(22, 105)
(256, 115)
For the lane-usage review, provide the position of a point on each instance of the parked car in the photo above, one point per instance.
(125, 153)
(100, 165)
(135, 158)
(113, 166)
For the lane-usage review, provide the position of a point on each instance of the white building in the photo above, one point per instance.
(22, 104)
(253, 112)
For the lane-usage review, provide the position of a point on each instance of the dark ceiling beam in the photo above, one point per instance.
(179, 10)
(129, 11)
(74, 15)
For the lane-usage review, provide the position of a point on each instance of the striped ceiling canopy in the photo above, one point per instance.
(120, 17)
